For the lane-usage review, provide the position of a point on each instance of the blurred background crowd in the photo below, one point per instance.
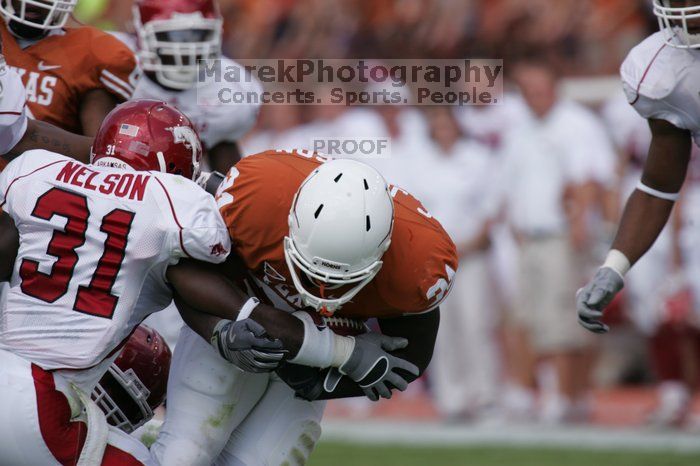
(530, 191)
(589, 36)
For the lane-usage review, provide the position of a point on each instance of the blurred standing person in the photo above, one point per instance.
(404, 126)
(552, 160)
(676, 347)
(464, 195)
(489, 125)
(279, 127)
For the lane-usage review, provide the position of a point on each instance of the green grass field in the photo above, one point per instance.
(340, 454)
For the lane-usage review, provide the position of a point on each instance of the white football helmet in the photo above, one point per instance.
(673, 18)
(340, 226)
(40, 14)
(174, 36)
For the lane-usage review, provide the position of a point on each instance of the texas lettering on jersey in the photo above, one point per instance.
(58, 70)
(39, 88)
(255, 199)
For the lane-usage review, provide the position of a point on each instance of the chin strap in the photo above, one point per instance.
(97, 431)
(324, 309)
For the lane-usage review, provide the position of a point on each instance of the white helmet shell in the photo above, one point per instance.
(340, 226)
(673, 22)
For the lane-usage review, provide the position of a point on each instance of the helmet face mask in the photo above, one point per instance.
(128, 408)
(302, 272)
(680, 22)
(32, 19)
(340, 226)
(173, 43)
(135, 383)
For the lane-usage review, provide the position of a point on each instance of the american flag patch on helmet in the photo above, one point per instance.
(129, 130)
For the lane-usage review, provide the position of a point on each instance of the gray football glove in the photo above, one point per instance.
(593, 298)
(245, 344)
(374, 369)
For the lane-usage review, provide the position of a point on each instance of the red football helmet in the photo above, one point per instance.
(148, 135)
(174, 35)
(135, 383)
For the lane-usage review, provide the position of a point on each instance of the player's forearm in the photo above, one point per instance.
(421, 332)
(42, 135)
(204, 290)
(203, 324)
(642, 221)
(202, 287)
(94, 107)
(649, 207)
(282, 326)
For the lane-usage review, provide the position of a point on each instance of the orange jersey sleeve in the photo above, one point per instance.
(420, 262)
(255, 199)
(115, 65)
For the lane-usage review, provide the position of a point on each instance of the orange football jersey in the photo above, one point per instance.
(255, 200)
(59, 69)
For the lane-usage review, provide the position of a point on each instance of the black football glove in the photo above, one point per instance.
(374, 369)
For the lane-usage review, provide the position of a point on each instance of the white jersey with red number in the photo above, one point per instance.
(13, 116)
(216, 121)
(661, 82)
(90, 240)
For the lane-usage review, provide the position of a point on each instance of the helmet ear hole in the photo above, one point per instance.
(318, 211)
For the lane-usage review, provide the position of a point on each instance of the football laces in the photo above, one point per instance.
(343, 322)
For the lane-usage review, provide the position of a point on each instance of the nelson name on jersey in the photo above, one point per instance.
(119, 184)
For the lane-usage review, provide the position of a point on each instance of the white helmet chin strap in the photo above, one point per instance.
(325, 305)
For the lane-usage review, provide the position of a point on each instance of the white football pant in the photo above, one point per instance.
(36, 427)
(219, 414)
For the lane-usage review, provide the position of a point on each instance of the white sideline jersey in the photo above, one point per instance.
(90, 239)
(661, 82)
(215, 122)
(13, 115)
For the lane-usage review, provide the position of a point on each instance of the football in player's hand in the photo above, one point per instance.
(345, 326)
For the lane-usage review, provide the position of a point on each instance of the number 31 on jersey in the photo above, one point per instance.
(96, 297)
